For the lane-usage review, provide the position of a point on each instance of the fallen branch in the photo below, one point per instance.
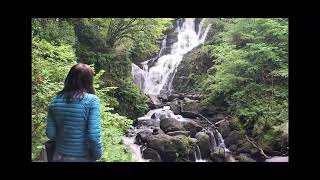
(200, 116)
(207, 120)
(261, 151)
(217, 123)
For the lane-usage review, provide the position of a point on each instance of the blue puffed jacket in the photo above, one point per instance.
(75, 126)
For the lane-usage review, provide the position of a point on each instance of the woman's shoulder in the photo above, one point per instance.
(92, 97)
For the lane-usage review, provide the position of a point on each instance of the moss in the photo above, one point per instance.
(183, 145)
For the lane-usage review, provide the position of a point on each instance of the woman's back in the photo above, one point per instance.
(75, 126)
(73, 120)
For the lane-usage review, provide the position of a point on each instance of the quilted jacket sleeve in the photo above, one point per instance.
(51, 126)
(94, 128)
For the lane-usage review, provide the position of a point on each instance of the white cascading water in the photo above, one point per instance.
(159, 77)
(134, 148)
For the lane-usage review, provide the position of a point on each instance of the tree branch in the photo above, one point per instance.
(254, 145)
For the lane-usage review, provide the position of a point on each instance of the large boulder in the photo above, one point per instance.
(171, 124)
(233, 138)
(161, 114)
(224, 128)
(175, 107)
(141, 137)
(218, 155)
(204, 144)
(192, 126)
(160, 142)
(152, 154)
(171, 148)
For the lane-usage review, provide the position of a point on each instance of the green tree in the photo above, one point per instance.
(110, 44)
(251, 74)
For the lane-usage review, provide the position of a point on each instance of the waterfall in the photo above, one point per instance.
(221, 142)
(198, 153)
(156, 75)
(163, 45)
(158, 78)
(134, 148)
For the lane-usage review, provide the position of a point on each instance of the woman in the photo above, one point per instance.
(73, 120)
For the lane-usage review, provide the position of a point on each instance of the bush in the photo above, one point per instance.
(50, 65)
(133, 101)
(113, 125)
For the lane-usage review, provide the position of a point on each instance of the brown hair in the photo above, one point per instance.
(78, 82)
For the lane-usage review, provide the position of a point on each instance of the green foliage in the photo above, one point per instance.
(54, 30)
(111, 44)
(139, 36)
(114, 151)
(134, 102)
(48, 73)
(251, 74)
(113, 126)
(50, 65)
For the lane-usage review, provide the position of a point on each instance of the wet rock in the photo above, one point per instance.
(175, 133)
(147, 123)
(233, 138)
(204, 144)
(175, 107)
(171, 148)
(224, 128)
(152, 154)
(193, 127)
(218, 155)
(141, 137)
(171, 124)
(161, 115)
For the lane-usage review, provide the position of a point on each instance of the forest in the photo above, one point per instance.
(172, 89)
